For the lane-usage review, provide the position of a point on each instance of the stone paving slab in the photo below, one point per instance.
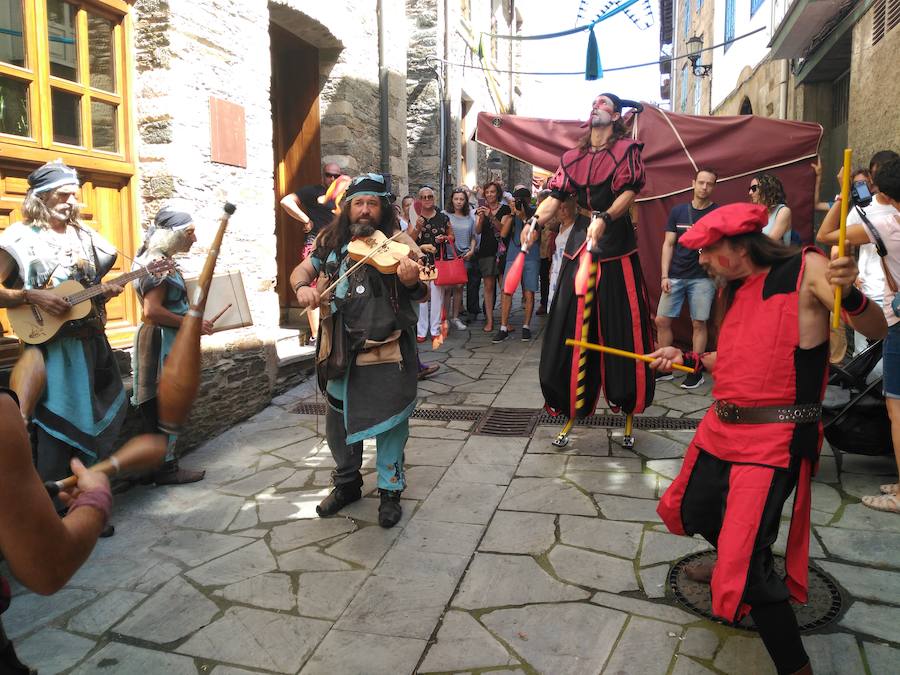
(547, 495)
(463, 643)
(582, 647)
(257, 639)
(501, 580)
(352, 653)
(129, 660)
(645, 647)
(511, 532)
(53, 651)
(172, 613)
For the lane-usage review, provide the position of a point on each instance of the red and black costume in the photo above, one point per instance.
(620, 316)
(736, 477)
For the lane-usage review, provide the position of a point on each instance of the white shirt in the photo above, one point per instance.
(556, 261)
(870, 270)
(888, 227)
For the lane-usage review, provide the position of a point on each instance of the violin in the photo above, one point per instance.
(382, 253)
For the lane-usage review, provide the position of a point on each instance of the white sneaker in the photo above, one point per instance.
(458, 324)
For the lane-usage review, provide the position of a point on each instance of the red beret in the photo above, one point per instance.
(726, 221)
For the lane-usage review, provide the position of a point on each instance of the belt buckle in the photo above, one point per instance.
(727, 412)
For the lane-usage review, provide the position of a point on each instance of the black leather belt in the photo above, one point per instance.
(805, 413)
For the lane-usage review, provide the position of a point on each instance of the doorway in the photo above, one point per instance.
(296, 141)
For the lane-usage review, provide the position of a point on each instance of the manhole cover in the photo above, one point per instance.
(442, 414)
(822, 607)
(618, 422)
(508, 422)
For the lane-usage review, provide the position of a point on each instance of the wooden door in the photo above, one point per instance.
(298, 157)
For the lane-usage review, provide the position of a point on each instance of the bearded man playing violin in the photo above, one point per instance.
(366, 352)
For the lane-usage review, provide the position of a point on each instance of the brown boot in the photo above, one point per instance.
(701, 572)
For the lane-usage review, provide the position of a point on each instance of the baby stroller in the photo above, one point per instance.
(854, 414)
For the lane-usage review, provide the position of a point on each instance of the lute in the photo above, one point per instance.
(34, 326)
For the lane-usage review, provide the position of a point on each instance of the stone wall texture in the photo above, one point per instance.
(874, 91)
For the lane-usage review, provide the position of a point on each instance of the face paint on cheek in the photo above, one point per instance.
(723, 261)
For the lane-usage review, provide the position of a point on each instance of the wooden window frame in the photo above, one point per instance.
(42, 83)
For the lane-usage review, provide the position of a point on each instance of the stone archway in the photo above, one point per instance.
(746, 107)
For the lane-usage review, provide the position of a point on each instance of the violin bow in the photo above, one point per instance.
(351, 269)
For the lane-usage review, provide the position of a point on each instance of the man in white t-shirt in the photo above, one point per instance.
(885, 228)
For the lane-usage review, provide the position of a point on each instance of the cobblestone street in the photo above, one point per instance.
(512, 556)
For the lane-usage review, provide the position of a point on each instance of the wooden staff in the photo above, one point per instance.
(346, 274)
(842, 238)
(28, 379)
(220, 314)
(180, 377)
(138, 454)
(622, 352)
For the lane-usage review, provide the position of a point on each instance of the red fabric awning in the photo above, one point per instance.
(736, 147)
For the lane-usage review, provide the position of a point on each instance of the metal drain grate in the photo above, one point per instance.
(442, 414)
(508, 422)
(618, 421)
(823, 605)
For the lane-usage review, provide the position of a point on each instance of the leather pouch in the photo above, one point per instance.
(381, 351)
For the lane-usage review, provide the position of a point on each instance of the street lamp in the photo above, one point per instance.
(694, 49)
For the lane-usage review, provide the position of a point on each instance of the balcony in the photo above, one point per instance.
(799, 22)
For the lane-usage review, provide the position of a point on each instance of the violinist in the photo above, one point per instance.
(366, 355)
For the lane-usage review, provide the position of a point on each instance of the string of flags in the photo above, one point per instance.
(641, 16)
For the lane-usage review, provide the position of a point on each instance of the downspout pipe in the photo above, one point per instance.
(384, 133)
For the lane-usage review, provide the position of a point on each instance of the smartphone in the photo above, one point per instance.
(482, 202)
(861, 194)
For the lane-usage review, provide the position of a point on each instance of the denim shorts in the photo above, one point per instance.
(531, 271)
(891, 362)
(700, 294)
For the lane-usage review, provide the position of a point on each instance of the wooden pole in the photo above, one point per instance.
(842, 239)
(622, 352)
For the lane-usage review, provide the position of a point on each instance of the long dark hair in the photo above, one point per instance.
(337, 233)
(763, 251)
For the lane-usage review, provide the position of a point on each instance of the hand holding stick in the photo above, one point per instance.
(138, 454)
(842, 237)
(622, 352)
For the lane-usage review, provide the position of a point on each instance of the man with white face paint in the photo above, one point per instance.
(604, 174)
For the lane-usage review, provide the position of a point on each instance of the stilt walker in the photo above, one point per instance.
(600, 297)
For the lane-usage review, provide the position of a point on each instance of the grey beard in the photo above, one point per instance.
(362, 229)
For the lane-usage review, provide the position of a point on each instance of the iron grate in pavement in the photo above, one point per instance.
(823, 605)
(508, 422)
(441, 414)
(618, 421)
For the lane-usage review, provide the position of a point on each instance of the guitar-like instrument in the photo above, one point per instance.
(35, 326)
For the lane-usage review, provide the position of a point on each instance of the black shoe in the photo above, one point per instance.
(664, 377)
(692, 381)
(389, 511)
(500, 336)
(339, 497)
(172, 474)
(526, 334)
(108, 531)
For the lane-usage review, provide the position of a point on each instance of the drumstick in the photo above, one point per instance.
(219, 315)
(139, 453)
(842, 238)
(622, 352)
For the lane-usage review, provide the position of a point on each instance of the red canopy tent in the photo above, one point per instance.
(674, 147)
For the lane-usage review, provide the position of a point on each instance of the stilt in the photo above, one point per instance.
(562, 440)
(628, 439)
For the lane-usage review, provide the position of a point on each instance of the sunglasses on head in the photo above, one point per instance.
(332, 175)
(754, 188)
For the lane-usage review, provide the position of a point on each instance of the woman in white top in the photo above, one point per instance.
(887, 230)
(767, 190)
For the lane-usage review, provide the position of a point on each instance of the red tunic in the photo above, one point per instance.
(759, 363)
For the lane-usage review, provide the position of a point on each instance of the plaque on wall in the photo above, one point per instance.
(228, 130)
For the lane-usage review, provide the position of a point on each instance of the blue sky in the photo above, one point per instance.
(621, 43)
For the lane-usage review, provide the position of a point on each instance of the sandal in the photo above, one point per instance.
(888, 503)
(890, 489)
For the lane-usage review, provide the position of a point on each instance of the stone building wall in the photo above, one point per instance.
(874, 91)
(761, 87)
(423, 91)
